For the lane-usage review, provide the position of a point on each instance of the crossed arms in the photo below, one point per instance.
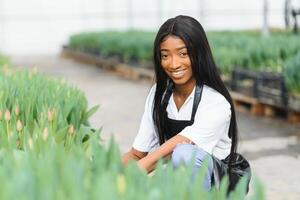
(147, 161)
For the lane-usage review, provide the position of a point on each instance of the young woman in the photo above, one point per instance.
(189, 113)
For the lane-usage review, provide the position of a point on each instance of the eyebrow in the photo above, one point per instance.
(179, 48)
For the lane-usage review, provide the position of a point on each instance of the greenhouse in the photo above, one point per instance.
(141, 99)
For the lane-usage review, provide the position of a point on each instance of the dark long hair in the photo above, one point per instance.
(203, 66)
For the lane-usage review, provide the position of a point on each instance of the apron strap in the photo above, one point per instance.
(197, 99)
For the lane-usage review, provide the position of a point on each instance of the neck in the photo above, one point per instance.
(185, 90)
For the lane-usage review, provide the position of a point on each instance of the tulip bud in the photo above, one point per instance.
(50, 115)
(19, 126)
(18, 143)
(121, 184)
(17, 110)
(34, 70)
(30, 143)
(45, 134)
(71, 130)
(62, 81)
(7, 115)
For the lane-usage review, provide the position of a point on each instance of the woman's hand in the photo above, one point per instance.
(148, 163)
(187, 142)
(133, 154)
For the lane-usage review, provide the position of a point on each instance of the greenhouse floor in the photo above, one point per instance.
(272, 145)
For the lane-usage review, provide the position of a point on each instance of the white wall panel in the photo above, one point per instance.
(42, 26)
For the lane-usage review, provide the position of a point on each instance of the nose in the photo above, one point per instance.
(175, 63)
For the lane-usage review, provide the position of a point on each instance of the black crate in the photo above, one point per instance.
(271, 89)
(244, 81)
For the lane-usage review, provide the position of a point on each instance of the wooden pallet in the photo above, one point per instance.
(293, 117)
(108, 64)
(134, 73)
(242, 102)
(245, 103)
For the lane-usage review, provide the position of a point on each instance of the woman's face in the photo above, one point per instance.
(175, 60)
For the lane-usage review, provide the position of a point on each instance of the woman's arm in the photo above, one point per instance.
(148, 162)
(133, 154)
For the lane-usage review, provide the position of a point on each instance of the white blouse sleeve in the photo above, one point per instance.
(146, 139)
(211, 121)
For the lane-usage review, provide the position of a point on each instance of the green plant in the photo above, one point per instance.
(292, 74)
(32, 106)
(97, 173)
(3, 60)
(130, 45)
(251, 51)
(230, 49)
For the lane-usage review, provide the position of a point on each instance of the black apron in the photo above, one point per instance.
(172, 126)
(240, 166)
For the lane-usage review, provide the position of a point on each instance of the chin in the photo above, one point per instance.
(186, 80)
(180, 81)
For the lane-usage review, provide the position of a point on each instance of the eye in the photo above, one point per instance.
(183, 54)
(164, 56)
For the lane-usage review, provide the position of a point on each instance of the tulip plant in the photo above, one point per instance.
(3, 60)
(97, 173)
(230, 49)
(33, 106)
(292, 74)
(247, 49)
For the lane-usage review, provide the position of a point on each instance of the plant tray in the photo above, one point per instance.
(271, 90)
(244, 81)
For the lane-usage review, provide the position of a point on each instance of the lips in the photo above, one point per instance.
(178, 73)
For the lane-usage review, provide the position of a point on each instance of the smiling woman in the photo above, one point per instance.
(189, 114)
(177, 65)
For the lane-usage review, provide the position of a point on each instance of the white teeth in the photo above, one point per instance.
(178, 73)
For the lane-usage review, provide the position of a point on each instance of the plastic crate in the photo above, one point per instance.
(271, 90)
(244, 81)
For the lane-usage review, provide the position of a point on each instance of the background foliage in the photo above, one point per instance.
(247, 49)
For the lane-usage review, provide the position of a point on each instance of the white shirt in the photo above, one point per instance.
(209, 130)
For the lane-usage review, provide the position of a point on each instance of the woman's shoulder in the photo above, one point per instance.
(150, 96)
(152, 92)
(153, 88)
(212, 96)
